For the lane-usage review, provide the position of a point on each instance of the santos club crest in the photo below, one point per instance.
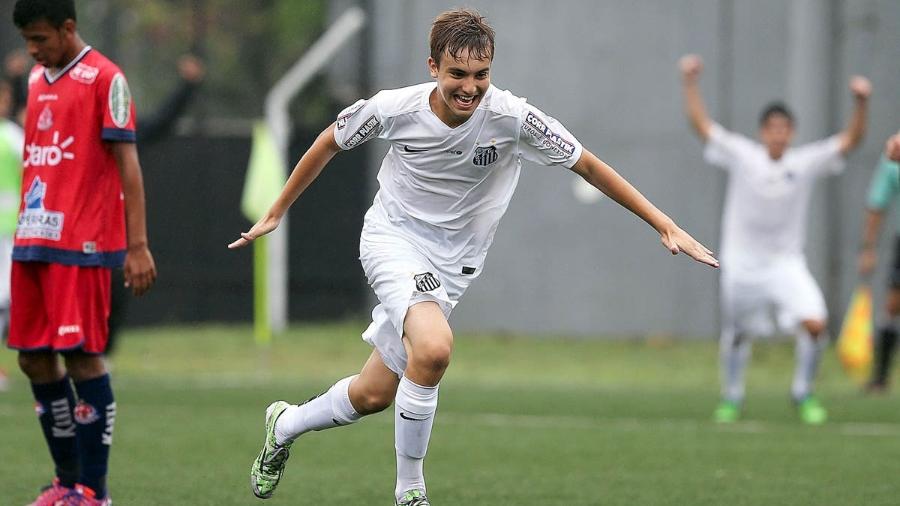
(485, 156)
(426, 282)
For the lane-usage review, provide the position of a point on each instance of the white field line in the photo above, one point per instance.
(851, 429)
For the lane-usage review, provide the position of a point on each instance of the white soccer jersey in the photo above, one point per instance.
(444, 188)
(767, 201)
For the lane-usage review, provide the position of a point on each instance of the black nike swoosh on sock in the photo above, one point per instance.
(403, 416)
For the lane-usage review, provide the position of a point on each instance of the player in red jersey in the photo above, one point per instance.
(82, 214)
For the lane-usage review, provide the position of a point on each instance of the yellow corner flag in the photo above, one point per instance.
(855, 342)
(263, 183)
(265, 176)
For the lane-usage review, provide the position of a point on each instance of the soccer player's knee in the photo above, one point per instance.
(814, 327)
(39, 367)
(82, 367)
(435, 355)
(374, 402)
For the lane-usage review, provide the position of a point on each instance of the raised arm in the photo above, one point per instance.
(691, 67)
(305, 172)
(606, 179)
(140, 269)
(856, 127)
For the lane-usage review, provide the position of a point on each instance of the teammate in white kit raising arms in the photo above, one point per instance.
(763, 235)
(456, 145)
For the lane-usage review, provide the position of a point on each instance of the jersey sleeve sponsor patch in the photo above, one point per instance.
(348, 113)
(547, 141)
(358, 124)
(370, 128)
(119, 101)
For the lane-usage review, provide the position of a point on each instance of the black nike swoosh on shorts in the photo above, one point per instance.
(403, 416)
(413, 150)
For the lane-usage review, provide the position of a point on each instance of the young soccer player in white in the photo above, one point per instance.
(455, 156)
(763, 235)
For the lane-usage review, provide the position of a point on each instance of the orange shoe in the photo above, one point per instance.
(51, 493)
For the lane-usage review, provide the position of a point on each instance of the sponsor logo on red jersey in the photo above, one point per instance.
(84, 73)
(35, 222)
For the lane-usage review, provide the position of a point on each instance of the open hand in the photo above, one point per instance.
(679, 241)
(262, 227)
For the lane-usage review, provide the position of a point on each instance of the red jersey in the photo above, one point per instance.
(73, 210)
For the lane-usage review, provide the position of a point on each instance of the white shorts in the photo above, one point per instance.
(783, 288)
(402, 274)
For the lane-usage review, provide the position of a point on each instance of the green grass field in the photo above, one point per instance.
(521, 422)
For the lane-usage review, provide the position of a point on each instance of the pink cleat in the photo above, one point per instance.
(51, 493)
(83, 496)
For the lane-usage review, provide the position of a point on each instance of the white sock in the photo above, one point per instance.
(414, 409)
(734, 353)
(807, 352)
(331, 409)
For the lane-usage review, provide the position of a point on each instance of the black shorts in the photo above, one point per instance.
(895, 270)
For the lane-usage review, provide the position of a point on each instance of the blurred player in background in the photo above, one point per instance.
(82, 214)
(154, 127)
(456, 147)
(12, 142)
(763, 235)
(882, 191)
(15, 69)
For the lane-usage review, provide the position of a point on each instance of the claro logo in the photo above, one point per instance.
(49, 156)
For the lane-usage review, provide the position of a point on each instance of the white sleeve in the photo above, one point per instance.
(546, 141)
(822, 158)
(359, 123)
(14, 134)
(723, 148)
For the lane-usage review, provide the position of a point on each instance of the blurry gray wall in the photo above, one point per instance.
(608, 70)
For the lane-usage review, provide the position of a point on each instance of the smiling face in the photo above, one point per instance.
(461, 84)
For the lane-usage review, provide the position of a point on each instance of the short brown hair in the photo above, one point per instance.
(459, 29)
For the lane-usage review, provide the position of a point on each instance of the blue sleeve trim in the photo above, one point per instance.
(118, 135)
(110, 259)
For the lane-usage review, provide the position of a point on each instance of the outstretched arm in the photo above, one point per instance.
(606, 179)
(305, 172)
(691, 67)
(856, 128)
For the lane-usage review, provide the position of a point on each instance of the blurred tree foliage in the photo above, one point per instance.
(246, 45)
